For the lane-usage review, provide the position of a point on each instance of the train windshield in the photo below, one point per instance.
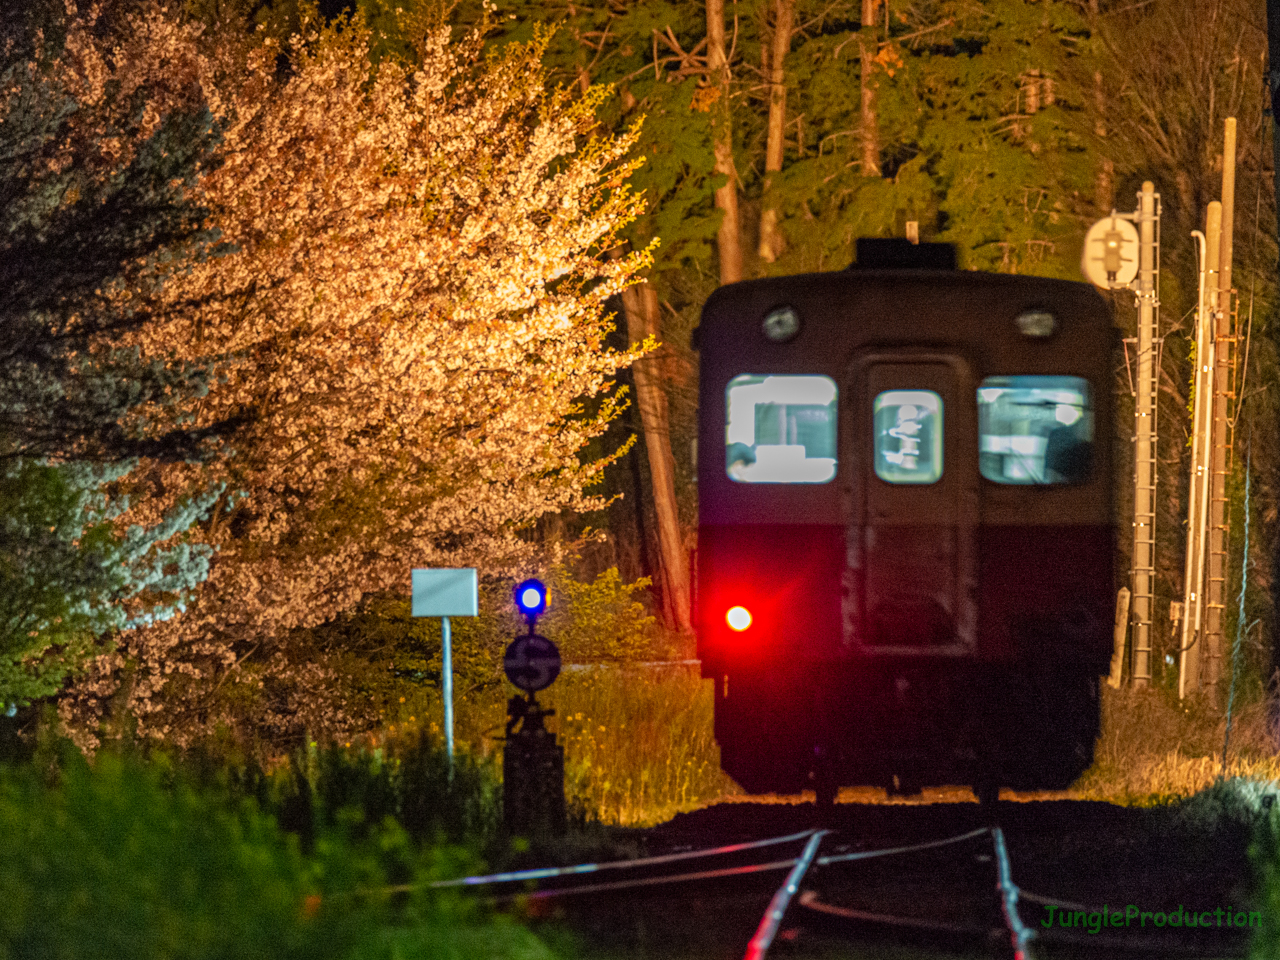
(908, 427)
(1035, 429)
(781, 429)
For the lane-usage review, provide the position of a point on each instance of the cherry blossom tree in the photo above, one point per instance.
(410, 320)
(95, 153)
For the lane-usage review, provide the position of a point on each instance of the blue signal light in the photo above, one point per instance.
(531, 597)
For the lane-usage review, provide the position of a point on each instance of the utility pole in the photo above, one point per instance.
(1201, 439)
(1144, 441)
(1119, 257)
(1218, 519)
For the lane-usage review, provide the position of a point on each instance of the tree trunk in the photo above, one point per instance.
(1273, 80)
(640, 304)
(770, 246)
(866, 57)
(728, 241)
(1104, 189)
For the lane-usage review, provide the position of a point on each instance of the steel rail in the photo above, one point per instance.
(1132, 944)
(809, 900)
(769, 923)
(869, 854)
(1019, 935)
(696, 875)
(545, 873)
(648, 881)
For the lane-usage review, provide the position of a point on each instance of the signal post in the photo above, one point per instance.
(532, 761)
(1118, 256)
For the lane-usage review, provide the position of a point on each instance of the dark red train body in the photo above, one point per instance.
(905, 543)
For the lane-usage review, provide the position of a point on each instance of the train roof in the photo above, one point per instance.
(861, 305)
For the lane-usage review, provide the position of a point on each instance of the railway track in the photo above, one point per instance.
(811, 891)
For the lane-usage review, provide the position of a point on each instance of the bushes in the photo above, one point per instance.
(111, 863)
(384, 665)
(601, 621)
(406, 779)
(154, 860)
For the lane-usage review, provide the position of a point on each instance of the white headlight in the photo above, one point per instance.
(1037, 323)
(782, 324)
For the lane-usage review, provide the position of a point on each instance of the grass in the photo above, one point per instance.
(1153, 748)
(152, 857)
(639, 747)
(638, 743)
(637, 739)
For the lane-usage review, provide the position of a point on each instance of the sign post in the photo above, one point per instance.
(445, 594)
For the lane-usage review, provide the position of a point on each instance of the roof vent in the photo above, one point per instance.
(876, 253)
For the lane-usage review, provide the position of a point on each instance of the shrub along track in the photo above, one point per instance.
(940, 900)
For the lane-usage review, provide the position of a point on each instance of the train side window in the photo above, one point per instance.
(908, 436)
(1035, 429)
(780, 429)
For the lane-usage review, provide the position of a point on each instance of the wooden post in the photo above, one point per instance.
(1144, 442)
(1121, 626)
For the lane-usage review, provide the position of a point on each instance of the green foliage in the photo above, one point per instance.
(598, 622)
(1265, 854)
(958, 152)
(69, 575)
(387, 664)
(1231, 803)
(110, 864)
(133, 859)
(405, 778)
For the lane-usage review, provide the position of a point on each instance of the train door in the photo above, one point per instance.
(910, 578)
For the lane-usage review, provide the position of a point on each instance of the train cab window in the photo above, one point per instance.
(908, 436)
(1035, 429)
(781, 429)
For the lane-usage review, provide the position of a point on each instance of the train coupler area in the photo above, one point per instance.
(904, 731)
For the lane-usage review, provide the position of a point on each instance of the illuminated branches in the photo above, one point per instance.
(100, 133)
(411, 321)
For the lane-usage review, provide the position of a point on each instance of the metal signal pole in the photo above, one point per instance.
(1201, 438)
(1119, 257)
(1218, 520)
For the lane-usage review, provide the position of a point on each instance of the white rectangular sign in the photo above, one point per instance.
(445, 593)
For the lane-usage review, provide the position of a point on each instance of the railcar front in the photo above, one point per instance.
(905, 542)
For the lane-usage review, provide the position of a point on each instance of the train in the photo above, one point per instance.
(904, 573)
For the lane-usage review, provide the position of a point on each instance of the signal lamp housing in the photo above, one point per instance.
(531, 597)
